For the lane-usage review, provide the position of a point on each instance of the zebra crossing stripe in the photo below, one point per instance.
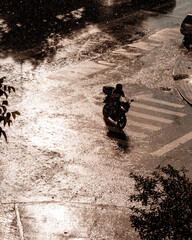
(160, 101)
(136, 134)
(173, 145)
(142, 45)
(157, 109)
(143, 125)
(165, 34)
(150, 117)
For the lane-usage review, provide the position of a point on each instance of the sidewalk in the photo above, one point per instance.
(182, 74)
(56, 220)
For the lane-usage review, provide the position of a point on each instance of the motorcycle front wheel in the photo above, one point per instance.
(122, 121)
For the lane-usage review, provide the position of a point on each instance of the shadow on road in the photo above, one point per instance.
(34, 28)
(114, 133)
(187, 43)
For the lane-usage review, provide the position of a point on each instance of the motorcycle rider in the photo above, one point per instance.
(114, 94)
(117, 93)
(115, 106)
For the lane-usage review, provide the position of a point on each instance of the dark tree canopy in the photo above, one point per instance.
(35, 27)
(165, 205)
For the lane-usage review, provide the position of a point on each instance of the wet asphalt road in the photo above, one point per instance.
(60, 148)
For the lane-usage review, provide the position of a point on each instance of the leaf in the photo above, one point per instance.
(14, 115)
(5, 94)
(17, 112)
(12, 88)
(2, 79)
(4, 109)
(8, 116)
(5, 102)
(9, 122)
(1, 92)
(4, 134)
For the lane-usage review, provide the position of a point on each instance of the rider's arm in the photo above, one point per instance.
(124, 99)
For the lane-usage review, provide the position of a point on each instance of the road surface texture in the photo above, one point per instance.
(65, 171)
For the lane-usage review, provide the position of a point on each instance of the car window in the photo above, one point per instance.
(188, 19)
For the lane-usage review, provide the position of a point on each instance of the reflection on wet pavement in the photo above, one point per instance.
(114, 133)
(67, 169)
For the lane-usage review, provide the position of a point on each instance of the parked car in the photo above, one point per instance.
(186, 30)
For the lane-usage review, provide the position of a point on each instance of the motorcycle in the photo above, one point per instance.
(116, 111)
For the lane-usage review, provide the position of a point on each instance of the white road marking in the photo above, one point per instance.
(142, 45)
(124, 52)
(146, 116)
(78, 71)
(135, 134)
(160, 101)
(165, 35)
(173, 145)
(143, 125)
(157, 109)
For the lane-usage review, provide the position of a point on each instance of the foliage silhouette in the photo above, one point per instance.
(33, 28)
(164, 205)
(6, 118)
(29, 24)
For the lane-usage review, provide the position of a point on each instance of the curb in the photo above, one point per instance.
(182, 74)
(185, 90)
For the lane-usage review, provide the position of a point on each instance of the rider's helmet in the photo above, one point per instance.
(119, 87)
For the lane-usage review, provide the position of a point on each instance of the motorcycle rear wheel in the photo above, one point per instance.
(121, 123)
